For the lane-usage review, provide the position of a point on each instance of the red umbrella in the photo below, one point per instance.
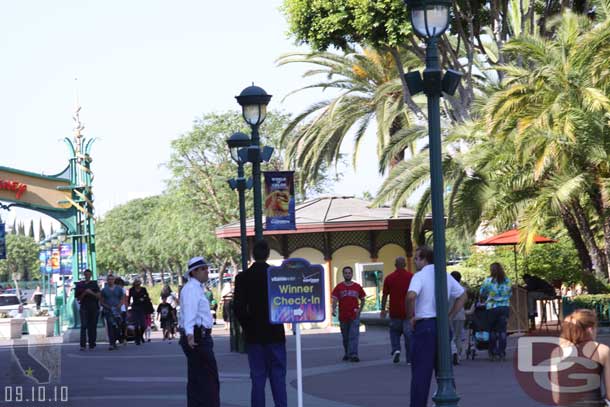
(511, 238)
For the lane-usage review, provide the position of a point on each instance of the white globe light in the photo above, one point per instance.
(254, 114)
(436, 17)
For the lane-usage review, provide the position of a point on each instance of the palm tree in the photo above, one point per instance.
(367, 91)
(525, 162)
(553, 109)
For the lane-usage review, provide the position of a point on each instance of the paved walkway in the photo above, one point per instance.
(155, 374)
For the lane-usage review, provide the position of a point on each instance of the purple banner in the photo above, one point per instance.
(65, 259)
(279, 200)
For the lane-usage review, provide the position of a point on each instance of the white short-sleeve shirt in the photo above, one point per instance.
(423, 285)
(194, 307)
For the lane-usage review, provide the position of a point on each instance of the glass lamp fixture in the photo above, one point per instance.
(429, 18)
(253, 101)
(235, 142)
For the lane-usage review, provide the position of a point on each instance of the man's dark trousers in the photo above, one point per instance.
(423, 361)
(88, 325)
(268, 361)
(112, 327)
(203, 386)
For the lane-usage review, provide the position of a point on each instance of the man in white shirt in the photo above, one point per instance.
(203, 387)
(421, 310)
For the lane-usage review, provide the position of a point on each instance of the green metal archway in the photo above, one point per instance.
(66, 197)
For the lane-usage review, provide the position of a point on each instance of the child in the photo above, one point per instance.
(148, 324)
(165, 316)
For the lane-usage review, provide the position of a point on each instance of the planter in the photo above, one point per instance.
(41, 326)
(10, 328)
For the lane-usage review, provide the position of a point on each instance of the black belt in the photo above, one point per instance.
(199, 331)
(424, 319)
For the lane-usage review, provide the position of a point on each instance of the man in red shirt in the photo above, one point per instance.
(396, 286)
(350, 296)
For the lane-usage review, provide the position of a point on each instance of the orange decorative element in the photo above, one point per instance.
(15, 186)
(277, 203)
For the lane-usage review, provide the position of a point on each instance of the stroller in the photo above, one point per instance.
(130, 326)
(478, 333)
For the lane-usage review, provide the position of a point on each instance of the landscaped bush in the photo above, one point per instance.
(600, 303)
(553, 262)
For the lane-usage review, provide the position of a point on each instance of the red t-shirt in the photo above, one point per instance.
(397, 285)
(349, 297)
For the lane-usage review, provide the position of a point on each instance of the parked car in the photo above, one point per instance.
(9, 302)
(13, 291)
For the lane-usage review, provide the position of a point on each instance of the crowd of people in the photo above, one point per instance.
(409, 300)
(128, 314)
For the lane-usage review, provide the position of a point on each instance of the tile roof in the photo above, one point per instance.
(329, 211)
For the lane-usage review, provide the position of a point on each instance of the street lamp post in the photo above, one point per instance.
(254, 101)
(236, 143)
(430, 19)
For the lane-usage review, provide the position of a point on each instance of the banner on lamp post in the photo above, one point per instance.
(279, 200)
(42, 258)
(65, 259)
(2, 241)
(55, 260)
(48, 253)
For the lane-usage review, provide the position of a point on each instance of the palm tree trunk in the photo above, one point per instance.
(394, 128)
(598, 258)
(600, 199)
(581, 248)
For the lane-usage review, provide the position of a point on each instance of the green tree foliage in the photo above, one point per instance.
(21, 229)
(554, 112)
(556, 262)
(21, 259)
(161, 233)
(368, 95)
(341, 23)
(119, 235)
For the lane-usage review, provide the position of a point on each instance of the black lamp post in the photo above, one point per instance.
(430, 19)
(254, 101)
(237, 143)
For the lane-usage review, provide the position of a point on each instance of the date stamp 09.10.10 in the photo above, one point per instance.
(50, 395)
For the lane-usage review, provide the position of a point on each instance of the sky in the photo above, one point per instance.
(142, 70)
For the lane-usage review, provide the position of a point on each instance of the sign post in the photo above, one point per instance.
(296, 295)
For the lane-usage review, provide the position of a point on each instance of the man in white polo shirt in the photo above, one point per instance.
(421, 309)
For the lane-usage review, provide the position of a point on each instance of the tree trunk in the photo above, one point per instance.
(149, 277)
(234, 266)
(221, 274)
(598, 257)
(600, 200)
(171, 273)
(581, 248)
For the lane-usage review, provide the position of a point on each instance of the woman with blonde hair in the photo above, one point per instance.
(580, 364)
(497, 289)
